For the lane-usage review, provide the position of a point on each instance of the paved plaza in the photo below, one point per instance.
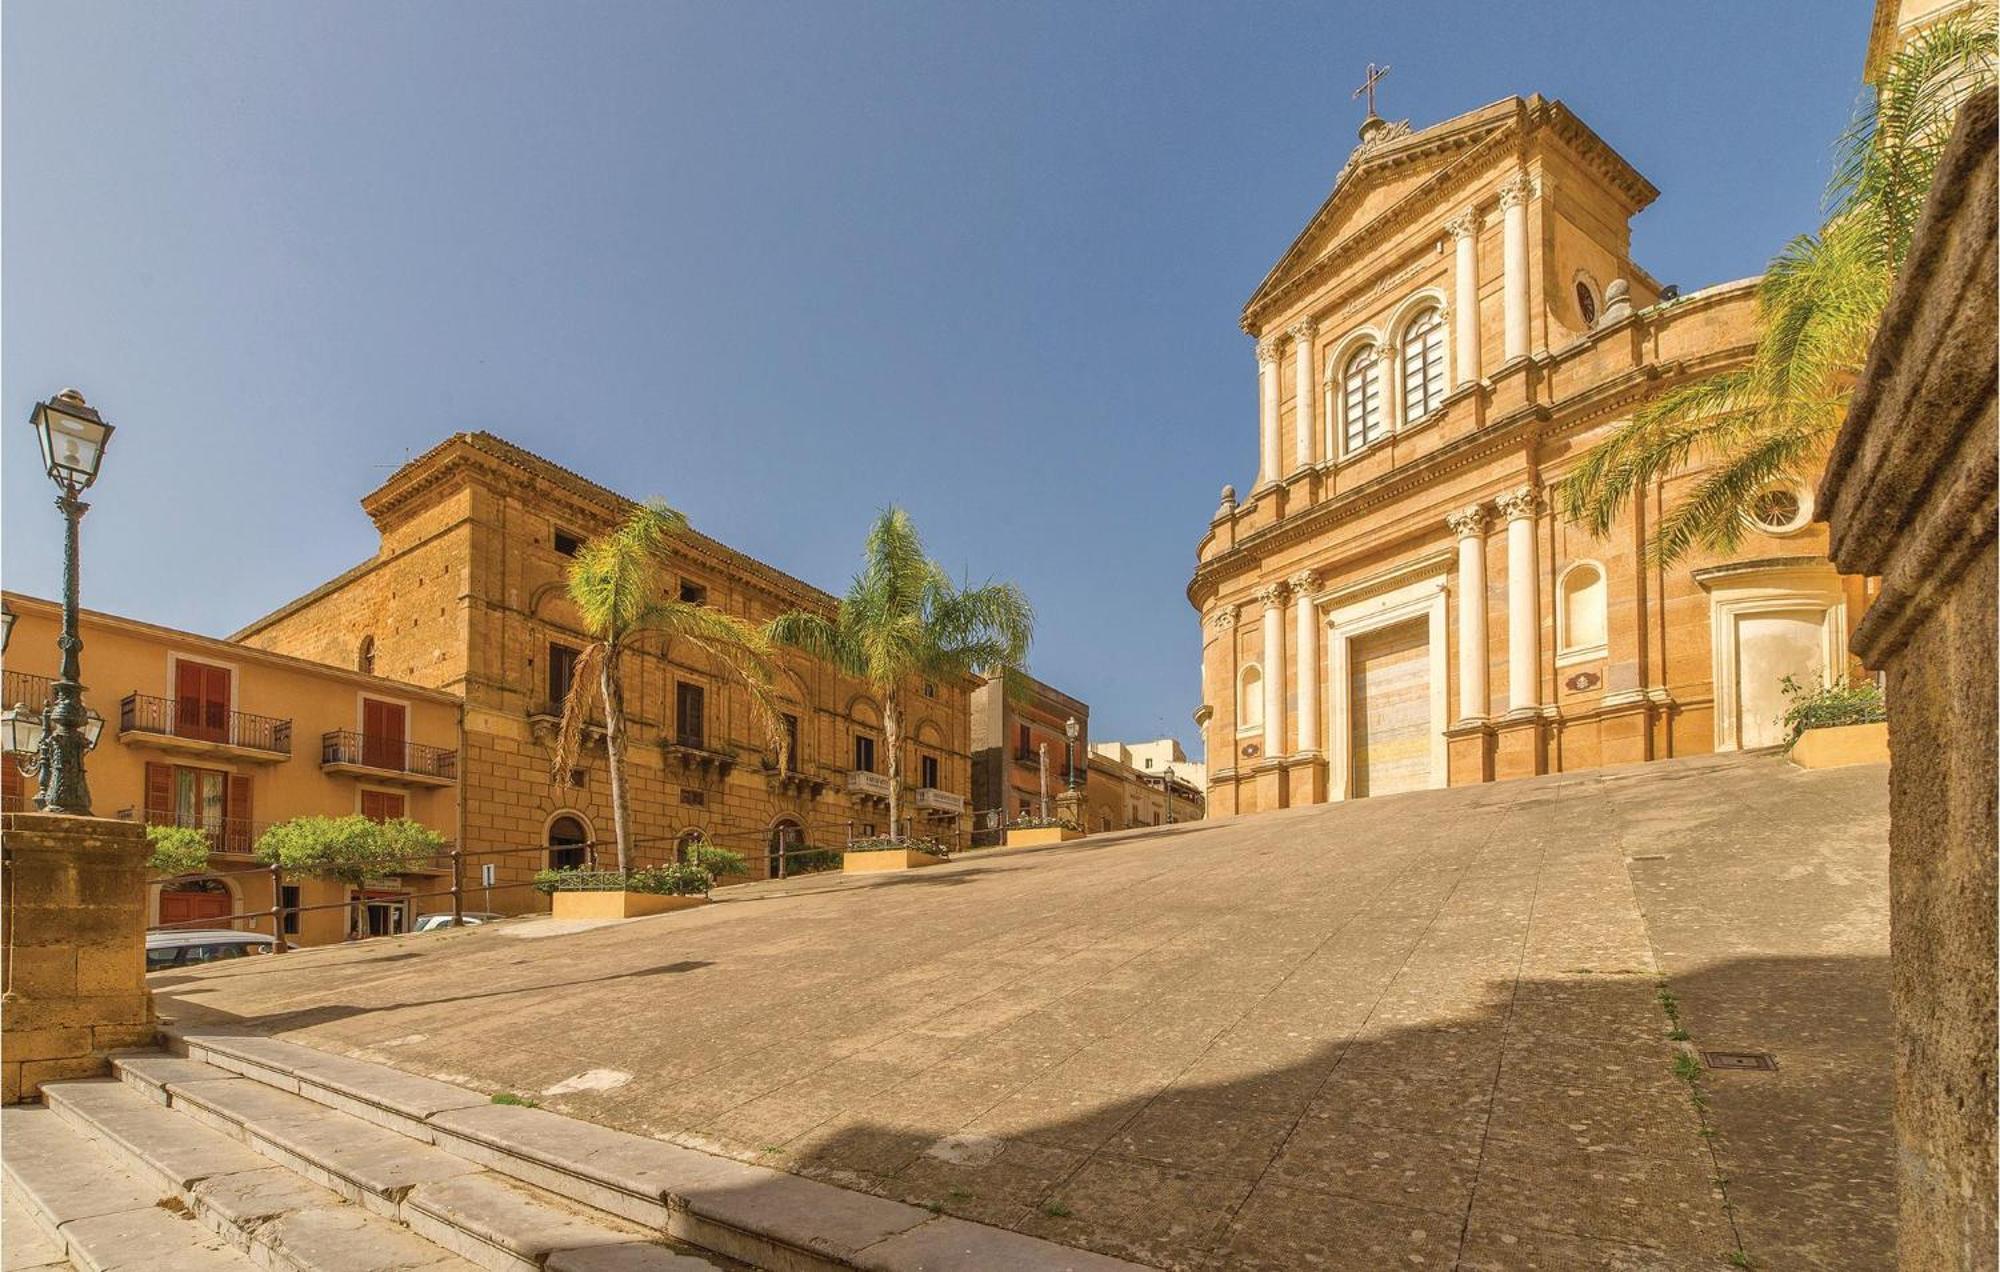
(1417, 1031)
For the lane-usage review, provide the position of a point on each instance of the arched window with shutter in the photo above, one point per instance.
(1361, 400)
(1423, 365)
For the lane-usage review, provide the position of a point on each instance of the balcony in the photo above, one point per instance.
(161, 724)
(224, 834)
(392, 760)
(932, 800)
(24, 690)
(867, 785)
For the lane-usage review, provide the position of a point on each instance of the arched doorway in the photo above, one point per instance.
(568, 840)
(193, 902)
(786, 836)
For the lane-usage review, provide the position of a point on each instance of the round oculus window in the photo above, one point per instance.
(1778, 509)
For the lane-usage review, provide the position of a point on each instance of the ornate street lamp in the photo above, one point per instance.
(1168, 787)
(1070, 730)
(73, 438)
(6, 626)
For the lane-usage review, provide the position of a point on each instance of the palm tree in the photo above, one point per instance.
(1818, 306)
(902, 618)
(617, 582)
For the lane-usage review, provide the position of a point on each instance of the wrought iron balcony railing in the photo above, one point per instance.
(168, 717)
(22, 689)
(393, 755)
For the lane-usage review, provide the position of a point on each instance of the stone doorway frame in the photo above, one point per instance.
(1773, 586)
(1424, 599)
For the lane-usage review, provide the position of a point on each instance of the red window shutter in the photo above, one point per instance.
(382, 734)
(160, 794)
(189, 683)
(381, 806)
(236, 830)
(215, 701)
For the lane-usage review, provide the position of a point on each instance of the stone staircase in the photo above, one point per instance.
(248, 1151)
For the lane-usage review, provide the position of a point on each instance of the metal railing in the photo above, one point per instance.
(224, 834)
(395, 755)
(144, 713)
(20, 688)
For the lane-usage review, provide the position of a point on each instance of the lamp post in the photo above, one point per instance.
(1070, 731)
(73, 438)
(1168, 787)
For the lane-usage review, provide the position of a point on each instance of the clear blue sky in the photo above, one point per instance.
(779, 264)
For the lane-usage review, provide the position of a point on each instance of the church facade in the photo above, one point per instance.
(1394, 603)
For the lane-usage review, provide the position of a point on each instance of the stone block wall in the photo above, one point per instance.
(72, 948)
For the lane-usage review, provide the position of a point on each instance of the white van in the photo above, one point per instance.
(186, 949)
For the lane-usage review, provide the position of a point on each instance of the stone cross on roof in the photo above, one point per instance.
(1375, 75)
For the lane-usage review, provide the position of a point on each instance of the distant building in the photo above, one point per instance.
(1009, 731)
(228, 740)
(1119, 796)
(1155, 757)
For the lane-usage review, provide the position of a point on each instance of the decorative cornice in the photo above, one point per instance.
(1468, 523)
(1518, 504)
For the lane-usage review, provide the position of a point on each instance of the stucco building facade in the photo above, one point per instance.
(1393, 603)
(1010, 728)
(467, 594)
(230, 740)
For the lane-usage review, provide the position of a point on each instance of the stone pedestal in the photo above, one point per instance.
(1469, 753)
(1909, 496)
(72, 948)
(1520, 747)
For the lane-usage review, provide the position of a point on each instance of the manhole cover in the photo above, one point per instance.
(1739, 1060)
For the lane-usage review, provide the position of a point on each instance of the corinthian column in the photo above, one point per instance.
(1469, 524)
(1464, 230)
(1305, 631)
(1524, 609)
(1514, 264)
(1267, 410)
(1302, 392)
(1273, 597)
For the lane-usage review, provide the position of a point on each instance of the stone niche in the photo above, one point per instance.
(72, 948)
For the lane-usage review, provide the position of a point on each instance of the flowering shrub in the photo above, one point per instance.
(676, 880)
(1830, 706)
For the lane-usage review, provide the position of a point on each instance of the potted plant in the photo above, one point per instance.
(1027, 831)
(1827, 726)
(616, 894)
(885, 852)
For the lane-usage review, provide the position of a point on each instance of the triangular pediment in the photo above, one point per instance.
(1381, 173)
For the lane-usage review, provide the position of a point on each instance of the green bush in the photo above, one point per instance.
(177, 850)
(885, 843)
(1813, 706)
(715, 859)
(351, 849)
(670, 881)
(811, 861)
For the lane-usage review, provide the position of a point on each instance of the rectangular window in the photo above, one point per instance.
(201, 701)
(381, 806)
(864, 753)
(1025, 749)
(930, 768)
(693, 593)
(562, 673)
(290, 905)
(689, 713)
(568, 544)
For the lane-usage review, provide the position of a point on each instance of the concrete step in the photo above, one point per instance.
(24, 1247)
(766, 1218)
(346, 1194)
(101, 1218)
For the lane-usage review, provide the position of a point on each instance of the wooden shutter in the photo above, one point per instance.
(236, 827)
(188, 685)
(160, 794)
(381, 806)
(381, 734)
(215, 702)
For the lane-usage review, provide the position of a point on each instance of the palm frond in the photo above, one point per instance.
(742, 649)
(575, 711)
(1711, 516)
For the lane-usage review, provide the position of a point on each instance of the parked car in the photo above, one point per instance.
(432, 922)
(186, 949)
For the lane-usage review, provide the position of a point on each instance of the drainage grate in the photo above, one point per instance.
(1739, 1060)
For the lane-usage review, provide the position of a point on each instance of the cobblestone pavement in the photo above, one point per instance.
(1417, 1031)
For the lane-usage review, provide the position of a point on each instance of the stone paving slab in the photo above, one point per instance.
(1432, 1020)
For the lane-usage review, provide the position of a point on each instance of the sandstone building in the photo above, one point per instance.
(229, 740)
(1010, 727)
(467, 595)
(1120, 796)
(1393, 604)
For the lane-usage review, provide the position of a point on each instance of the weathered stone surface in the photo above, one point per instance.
(482, 1214)
(947, 1243)
(60, 1175)
(1446, 1000)
(24, 1247)
(387, 1097)
(149, 1140)
(1910, 495)
(149, 1240)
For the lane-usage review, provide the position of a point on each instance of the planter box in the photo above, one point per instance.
(1041, 835)
(618, 905)
(1838, 747)
(876, 859)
